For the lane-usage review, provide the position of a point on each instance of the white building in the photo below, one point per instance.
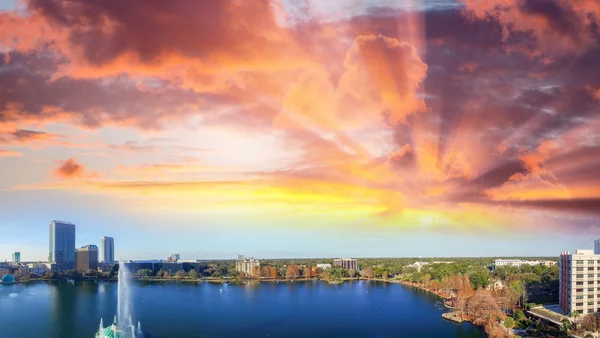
(246, 266)
(323, 266)
(519, 262)
(108, 249)
(39, 269)
(579, 282)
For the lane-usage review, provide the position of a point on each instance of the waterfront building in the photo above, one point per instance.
(39, 269)
(597, 247)
(87, 258)
(108, 249)
(8, 279)
(173, 258)
(346, 263)
(62, 245)
(16, 257)
(519, 262)
(247, 266)
(579, 282)
(323, 266)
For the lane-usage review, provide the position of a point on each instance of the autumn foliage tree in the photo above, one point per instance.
(292, 271)
(482, 308)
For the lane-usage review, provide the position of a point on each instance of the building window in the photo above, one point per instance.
(579, 262)
(579, 269)
(591, 311)
(578, 283)
(591, 262)
(591, 282)
(579, 276)
(579, 297)
(578, 290)
(590, 303)
(591, 276)
(591, 269)
(578, 304)
(590, 296)
(590, 289)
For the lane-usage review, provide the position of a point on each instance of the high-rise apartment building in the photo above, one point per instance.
(16, 257)
(579, 282)
(62, 245)
(346, 263)
(247, 266)
(108, 249)
(87, 258)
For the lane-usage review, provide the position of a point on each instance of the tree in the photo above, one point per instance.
(180, 274)
(367, 272)
(479, 279)
(589, 335)
(566, 325)
(519, 315)
(143, 273)
(575, 314)
(481, 307)
(292, 271)
(161, 273)
(193, 274)
(509, 323)
(273, 271)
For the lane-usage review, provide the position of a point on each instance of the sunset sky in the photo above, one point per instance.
(301, 128)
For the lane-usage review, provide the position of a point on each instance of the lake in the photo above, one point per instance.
(294, 309)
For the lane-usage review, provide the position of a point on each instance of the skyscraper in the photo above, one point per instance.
(597, 247)
(16, 257)
(108, 249)
(87, 258)
(62, 245)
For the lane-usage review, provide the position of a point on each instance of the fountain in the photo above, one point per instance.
(122, 326)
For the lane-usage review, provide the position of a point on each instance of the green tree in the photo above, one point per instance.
(509, 322)
(566, 325)
(575, 314)
(519, 315)
(193, 274)
(161, 273)
(479, 279)
(143, 273)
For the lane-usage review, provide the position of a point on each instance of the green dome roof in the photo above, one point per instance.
(8, 278)
(110, 332)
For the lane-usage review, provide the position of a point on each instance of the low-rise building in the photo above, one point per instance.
(324, 266)
(519, 262)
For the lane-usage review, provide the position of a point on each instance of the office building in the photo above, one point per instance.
(62, 245)
(247, 266)
(16, 257)
(597, 247)
(346, 263)
(87, 258)
(173, 258)
(579, 282)
(108, 249)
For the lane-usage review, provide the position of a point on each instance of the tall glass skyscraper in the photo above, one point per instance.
(108, 249)
(62, 245)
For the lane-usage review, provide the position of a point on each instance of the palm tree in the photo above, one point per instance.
(575, 315)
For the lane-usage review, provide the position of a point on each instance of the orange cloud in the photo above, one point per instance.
(70, 169)
(6, 153)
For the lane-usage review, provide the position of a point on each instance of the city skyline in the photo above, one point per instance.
(371, 128)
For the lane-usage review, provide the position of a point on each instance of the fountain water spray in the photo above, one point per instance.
(124, 296)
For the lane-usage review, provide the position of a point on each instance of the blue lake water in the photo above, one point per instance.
(298, 309)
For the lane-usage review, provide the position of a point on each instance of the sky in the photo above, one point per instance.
(307, 128)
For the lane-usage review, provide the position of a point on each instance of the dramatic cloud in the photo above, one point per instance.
(459, 114)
